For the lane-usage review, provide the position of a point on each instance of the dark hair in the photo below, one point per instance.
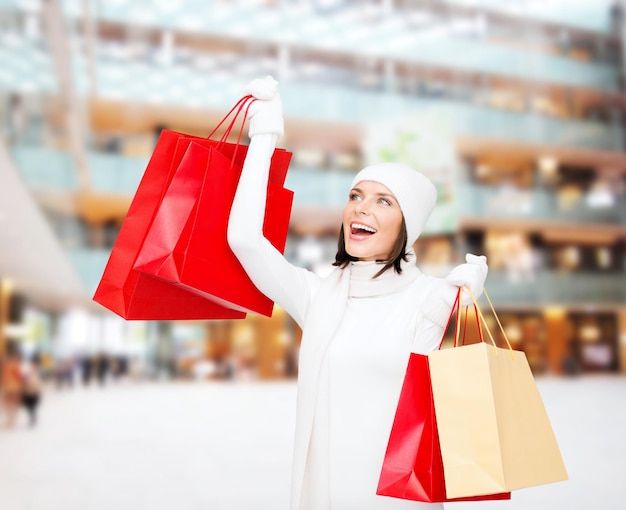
(397, 255)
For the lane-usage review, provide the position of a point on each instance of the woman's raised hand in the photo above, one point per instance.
(265, 114)
(472, 274)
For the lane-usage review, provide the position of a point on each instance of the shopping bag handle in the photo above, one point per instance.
(482, 317)
(244, 102)
(458, 321)
(239, 105)
(455, 307)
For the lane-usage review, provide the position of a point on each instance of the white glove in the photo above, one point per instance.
(265, 114)
(472, 275)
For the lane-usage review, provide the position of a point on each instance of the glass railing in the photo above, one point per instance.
(114, 173)
(198, 15)
(557, 288)
(391, 38)
(328, 188)
(49, 169)
(547, 288)
(468, 55)
(27, 66)
(44, 168)
(592, 15)
(53, 169)
(89, 264)
(536, 204)
(319, 188)
(354, 105)
(345, 104)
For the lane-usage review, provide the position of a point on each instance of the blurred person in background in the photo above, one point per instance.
(64, 373)
(17, 119)
(87, 367)
(359, 324)
(31, 387)
(102, 365)
(11, 386)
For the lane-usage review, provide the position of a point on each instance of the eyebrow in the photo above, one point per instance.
(386, 195)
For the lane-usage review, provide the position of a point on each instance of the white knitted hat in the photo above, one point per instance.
(414, 191)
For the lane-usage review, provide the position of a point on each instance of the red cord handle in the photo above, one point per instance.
(244, 102)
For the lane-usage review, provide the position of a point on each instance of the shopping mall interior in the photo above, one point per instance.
(515, 110)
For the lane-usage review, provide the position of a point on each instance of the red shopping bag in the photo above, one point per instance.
(413, 466)
(135, 295)
(187, 243)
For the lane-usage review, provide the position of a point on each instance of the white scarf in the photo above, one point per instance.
(322, 321)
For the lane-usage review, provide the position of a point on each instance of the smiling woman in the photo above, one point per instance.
(372, 220)
(359, 324)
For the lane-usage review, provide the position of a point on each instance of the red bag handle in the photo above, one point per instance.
(456, 334)
(244, 102)
(238, 106)
(456, 307)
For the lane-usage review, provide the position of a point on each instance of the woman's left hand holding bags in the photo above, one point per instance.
(470, 275)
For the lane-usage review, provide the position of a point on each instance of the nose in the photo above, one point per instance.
(361, 207)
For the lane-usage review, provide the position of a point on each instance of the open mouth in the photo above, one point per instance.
(360, 229)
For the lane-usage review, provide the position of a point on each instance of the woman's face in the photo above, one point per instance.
(372, 220)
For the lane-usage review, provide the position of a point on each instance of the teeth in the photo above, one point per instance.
(363, 227)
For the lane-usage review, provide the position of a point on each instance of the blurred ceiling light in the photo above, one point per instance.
(514, 333)
(31, 26)
(267, 19)
(466, 26)
(314, 26)
(167, 5)
(590, 333)
(548, 166)
(6, 286)
(483, 170)
(570, 257)
(417, 18)
(142, 16)
(402, 40)
(434, 31)
(309, 158)
(311, 69)
(554, 312)
(310, 250)
(30, 5)
(17, 330)
(203, 62)
(358, 33)
(601, 195)
(328, 4)
(345, 160)
(189, 22)
(604, 257)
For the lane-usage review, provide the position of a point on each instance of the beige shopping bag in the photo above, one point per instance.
(494, 431)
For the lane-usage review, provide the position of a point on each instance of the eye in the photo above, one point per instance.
(355, 196)
(384, 201)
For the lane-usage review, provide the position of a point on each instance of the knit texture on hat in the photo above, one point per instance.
(416, 194)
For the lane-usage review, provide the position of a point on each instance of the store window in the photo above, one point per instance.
(589, 258)
(436, 254)
(514, 253)
(593, 341)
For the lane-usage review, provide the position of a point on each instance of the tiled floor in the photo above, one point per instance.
(225, 446)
